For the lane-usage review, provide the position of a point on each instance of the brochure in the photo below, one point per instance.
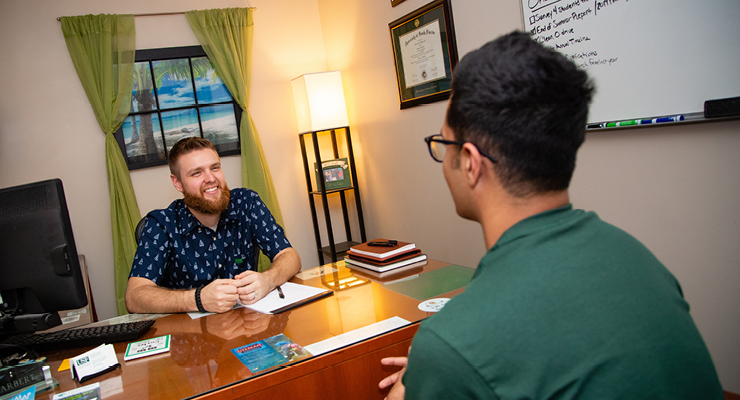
(269, 352)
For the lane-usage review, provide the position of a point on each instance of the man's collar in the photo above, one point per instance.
(534, 223)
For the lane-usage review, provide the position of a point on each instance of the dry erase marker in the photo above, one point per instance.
(280, 292)
(628, 123)
(674, 118)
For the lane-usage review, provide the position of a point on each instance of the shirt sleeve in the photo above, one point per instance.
(437, 371)
(152, 253)
(267, 233)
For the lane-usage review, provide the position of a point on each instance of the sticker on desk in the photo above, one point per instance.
(433, 305)
(269, 352)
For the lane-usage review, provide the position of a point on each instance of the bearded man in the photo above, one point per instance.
(200, 253)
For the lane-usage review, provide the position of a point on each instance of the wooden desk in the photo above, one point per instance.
(201, 365)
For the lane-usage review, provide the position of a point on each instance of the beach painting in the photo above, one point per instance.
(173, 112)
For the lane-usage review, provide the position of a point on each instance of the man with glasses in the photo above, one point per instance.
(563, 305)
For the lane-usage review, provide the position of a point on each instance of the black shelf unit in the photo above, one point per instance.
(333, 250)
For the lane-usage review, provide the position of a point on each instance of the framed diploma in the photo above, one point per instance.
(424, 52)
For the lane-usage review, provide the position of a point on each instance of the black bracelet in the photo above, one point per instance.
(197, 300)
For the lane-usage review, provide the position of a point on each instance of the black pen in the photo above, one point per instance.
(389, 243)
(280, 292)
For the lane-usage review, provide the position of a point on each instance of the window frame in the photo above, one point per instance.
(170, 53)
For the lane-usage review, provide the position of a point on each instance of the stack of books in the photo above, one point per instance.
(382, 257)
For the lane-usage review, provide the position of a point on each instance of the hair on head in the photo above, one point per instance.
(525, 104)
(185, 146)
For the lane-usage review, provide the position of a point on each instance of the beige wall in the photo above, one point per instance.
(674, 188)
(48, 130)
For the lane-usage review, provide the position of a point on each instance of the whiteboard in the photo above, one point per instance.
(648, 58)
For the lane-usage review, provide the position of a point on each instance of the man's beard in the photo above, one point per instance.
(204, 206)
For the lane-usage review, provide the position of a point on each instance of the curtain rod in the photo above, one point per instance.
(163, 13)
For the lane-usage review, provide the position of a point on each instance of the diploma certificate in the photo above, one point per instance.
(421, 53)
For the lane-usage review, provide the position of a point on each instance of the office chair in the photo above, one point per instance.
(139, 229)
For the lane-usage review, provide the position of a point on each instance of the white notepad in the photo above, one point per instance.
(295, 295)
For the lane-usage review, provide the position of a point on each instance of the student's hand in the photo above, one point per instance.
(219, 296)
(252, 286)
(398, 391)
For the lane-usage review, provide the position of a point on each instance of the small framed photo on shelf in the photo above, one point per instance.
(424, 52)
(336, 174)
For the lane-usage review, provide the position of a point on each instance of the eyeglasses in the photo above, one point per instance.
(438, 147)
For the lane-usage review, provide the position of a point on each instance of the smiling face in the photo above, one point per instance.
(202, 182)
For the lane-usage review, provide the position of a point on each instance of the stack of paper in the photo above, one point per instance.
(382, 258)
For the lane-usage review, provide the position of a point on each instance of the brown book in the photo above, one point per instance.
(381, 252)
(372, 260)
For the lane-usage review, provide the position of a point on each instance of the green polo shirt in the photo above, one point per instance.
(564, 306)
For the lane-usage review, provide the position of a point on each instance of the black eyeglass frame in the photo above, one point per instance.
(438, 138)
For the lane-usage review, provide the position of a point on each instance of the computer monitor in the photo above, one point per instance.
(39, 268)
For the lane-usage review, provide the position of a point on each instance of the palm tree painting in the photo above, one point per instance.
(190, 100)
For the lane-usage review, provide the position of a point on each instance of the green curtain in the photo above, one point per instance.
(226, 37)
(102, 49)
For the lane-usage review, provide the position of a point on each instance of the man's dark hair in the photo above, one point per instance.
(185, 146)
(526, 105)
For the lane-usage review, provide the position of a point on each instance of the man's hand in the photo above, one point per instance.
(240, 322)
(252, 286)
(219, 296)
(144, 296)
(398, 391)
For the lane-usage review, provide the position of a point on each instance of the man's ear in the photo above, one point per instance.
(176, 183)
(471, 161)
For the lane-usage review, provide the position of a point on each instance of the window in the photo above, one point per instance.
(176, 94)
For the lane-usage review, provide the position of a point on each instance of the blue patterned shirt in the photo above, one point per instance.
(177, 251)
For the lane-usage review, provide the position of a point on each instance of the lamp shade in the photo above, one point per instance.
(319, 101)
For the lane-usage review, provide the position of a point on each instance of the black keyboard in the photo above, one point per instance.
(81, 337)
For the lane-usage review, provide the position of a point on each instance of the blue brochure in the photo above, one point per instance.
(269, 352)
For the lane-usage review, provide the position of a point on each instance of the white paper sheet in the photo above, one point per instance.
(294, 293)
